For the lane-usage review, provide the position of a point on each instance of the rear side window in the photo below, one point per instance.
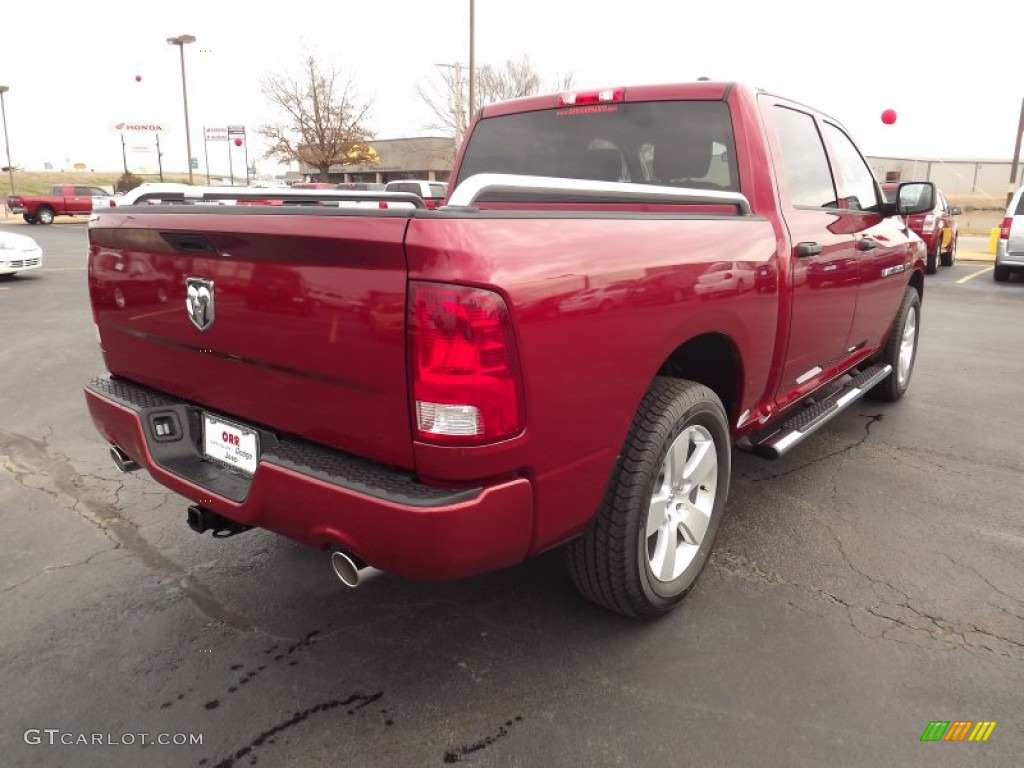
(804, 160)
(676, 143)
(399, 187)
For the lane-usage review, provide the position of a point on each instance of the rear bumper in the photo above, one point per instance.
(321, 497)
(1004, 259)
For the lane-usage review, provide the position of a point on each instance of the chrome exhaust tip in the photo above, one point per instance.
(350, 570)
(122, 460)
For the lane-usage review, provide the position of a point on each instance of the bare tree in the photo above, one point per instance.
(324, 121)
(447, 95)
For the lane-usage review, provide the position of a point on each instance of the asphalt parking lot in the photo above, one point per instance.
(863, 586)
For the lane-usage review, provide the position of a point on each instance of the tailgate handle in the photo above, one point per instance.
(189, 243)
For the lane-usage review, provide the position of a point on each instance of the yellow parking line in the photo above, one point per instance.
(974, 275)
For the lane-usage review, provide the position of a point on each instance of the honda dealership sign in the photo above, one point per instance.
(216, 134)
(128, 127)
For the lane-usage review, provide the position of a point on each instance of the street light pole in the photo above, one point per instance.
(7, 143)
(181, 41)
(472, 59)
(1016, 154)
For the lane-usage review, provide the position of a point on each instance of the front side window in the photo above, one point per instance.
(804, 160)
(857, 191)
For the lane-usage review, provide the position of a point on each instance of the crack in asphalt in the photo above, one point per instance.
(359, 700)
(33, 461)
(50, 568)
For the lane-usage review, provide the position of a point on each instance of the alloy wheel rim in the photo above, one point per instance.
(682, 503)
(907, 344)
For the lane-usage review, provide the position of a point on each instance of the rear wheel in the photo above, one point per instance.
(658, 520)
(900, 350)
(45, 215)
(949, 259)
(28, 219)
(1001, 274)
(932, 262)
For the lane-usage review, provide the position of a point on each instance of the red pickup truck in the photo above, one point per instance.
(621, 286)
(63, 200)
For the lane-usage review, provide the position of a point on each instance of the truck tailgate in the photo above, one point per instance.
(301, 333)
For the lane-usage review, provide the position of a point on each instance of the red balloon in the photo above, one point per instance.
(889, 116)
(238, 142)
(138, 78)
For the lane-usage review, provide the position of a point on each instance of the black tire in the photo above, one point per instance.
(1001, 274)
(44, 215)
(28, 219)
(932, 261)
(892, 387)
(949, 259)
(610, 563)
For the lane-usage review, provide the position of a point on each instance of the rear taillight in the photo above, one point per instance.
(1004, 231)
(112, 203)
(466, 384)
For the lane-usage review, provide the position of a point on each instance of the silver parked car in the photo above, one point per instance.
(1010, 251)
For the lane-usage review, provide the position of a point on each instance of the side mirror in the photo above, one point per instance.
(955, 211)
(915, 197)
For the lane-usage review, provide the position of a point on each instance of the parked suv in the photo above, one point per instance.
(937, 228)
(1010, 251)
(432, 192)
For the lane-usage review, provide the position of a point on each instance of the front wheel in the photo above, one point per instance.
(900, 350)
(657, 523)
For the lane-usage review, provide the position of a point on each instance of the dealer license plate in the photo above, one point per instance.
(230, 443)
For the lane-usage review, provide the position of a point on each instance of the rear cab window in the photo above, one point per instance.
(669, 143)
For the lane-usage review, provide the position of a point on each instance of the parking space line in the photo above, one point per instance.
(975, 274)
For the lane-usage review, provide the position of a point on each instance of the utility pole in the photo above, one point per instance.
(7, 142)
(1016, 154)
(472, 61)
(181, 41)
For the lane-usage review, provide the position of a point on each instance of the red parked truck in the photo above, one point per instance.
(63, 200)
(450, 400)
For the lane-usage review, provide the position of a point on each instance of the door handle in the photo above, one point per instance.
(803, 250)
(867, 244)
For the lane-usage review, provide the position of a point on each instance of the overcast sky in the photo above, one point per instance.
(953, 75)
